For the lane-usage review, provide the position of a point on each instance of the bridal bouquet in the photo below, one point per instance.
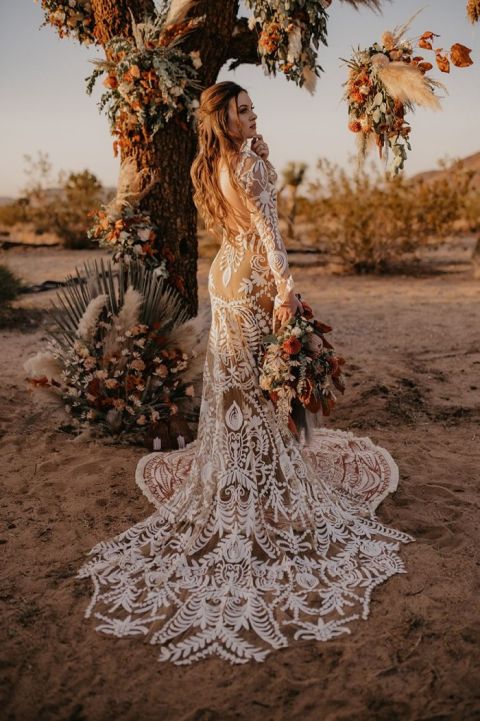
(387, 79)
(296, 368)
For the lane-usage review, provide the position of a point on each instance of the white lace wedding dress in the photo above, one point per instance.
(257, 539)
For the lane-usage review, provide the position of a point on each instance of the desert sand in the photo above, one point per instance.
(412, 344)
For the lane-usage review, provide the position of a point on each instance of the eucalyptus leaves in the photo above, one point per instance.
(290, 32)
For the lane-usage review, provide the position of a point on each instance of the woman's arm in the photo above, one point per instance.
(252, 173)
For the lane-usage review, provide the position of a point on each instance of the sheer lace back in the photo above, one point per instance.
(256, 539)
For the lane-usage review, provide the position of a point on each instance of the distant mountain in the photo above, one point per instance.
(6, 200)
(471, 162)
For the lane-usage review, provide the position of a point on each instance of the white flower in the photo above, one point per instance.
(196, 60)
(144, 234)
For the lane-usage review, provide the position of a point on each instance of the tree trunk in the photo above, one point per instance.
(173, 148)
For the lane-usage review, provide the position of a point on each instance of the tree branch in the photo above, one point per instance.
(243, 45)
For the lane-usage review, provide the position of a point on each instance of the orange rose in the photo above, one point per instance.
(110, 82)
(355, 126)
(292, 345)
(356, 96)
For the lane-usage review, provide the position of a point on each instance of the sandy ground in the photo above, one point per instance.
(413, 348)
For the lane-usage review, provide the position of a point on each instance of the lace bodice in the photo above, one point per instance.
(254, 258)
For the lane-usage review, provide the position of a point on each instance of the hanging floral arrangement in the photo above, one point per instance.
(149, 80)
(72, 18)
(109, 361)
(290, 32)
(388, 79)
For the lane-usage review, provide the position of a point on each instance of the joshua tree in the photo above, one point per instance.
(293, 176)
(158, 59)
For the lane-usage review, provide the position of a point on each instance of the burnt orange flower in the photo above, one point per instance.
(356, 96)
(110, 82)
(292, 345)
(355, 126)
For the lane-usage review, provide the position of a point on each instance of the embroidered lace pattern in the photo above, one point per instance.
(256, 539)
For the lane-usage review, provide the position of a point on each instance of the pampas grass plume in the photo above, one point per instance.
(88, 321)
(408, 84)
(127, 317)
(44, 363)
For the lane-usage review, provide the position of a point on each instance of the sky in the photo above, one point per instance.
(45, 107)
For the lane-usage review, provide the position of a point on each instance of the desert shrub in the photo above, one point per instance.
(13, 213)
(62, 205)
(10, 285)
(371, 220)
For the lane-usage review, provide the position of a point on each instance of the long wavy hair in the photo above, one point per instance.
(216, 142)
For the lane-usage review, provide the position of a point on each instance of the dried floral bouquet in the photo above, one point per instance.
(109, 360)
(296, 367)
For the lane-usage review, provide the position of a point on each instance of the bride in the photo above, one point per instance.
(258, 538)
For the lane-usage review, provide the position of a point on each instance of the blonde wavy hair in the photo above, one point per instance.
(216, 142)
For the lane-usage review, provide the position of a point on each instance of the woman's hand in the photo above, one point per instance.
(259, 146)
(288, 309)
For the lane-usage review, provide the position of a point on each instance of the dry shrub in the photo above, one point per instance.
(371, 220)
(10, 286)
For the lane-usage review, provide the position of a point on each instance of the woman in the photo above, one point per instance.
(257, 538)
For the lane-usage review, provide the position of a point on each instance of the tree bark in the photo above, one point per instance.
(173, 148)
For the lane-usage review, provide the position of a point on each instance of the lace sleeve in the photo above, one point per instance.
(253, 175)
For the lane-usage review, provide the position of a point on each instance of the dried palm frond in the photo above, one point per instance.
(161, 303)
(473, 10)
(408, 84)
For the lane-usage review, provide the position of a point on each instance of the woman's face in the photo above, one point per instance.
(246, 116)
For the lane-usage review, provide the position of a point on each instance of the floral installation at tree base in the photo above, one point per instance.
(110, 362)
(387, 79)
(296, 367)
